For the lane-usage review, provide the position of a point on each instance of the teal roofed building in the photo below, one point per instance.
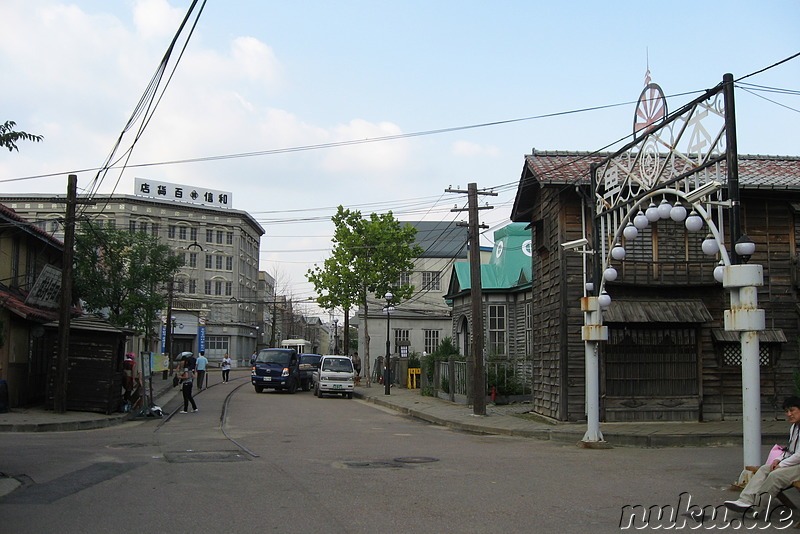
(506, 291)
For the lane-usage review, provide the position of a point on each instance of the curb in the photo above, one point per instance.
(566, 435)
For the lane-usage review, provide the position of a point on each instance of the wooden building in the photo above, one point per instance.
(668, 356)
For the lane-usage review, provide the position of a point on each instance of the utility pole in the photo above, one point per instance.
(62, 358)
(476, 359)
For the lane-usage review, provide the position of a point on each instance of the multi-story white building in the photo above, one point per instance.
(216, 304)
(420, 323)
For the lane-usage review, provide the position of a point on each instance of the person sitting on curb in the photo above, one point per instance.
(772, 478)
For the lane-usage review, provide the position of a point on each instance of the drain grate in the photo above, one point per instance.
(183, 457)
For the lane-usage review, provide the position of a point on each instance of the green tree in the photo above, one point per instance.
(9, 138)
(119, 273)
(368, 257)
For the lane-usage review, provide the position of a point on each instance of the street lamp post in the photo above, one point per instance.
(387, 369)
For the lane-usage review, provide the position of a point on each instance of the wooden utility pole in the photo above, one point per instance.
(62, 358)
(476, 359)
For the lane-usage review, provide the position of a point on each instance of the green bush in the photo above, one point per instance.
(413, 360)
(506, 384)
(445, 385)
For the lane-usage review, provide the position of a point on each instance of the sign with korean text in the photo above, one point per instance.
(182, 193)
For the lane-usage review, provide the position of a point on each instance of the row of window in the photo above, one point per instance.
(211, 287)
(401, 337)
(219, 262)
(431, 280)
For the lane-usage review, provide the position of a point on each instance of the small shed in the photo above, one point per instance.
(95, 370)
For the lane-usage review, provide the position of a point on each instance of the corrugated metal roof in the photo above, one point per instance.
(656, 311)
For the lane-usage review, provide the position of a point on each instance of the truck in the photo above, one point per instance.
(335, 376)
(276, 369)
(308, 364)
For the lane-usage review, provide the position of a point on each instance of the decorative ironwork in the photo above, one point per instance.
(683, 153)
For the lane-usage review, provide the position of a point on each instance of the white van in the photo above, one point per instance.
(334, 375)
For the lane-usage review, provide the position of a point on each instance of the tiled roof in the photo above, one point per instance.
(755, 171)
(24, 224)
(14, 301)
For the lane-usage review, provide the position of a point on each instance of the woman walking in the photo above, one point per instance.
(187, 379)
(226, 368)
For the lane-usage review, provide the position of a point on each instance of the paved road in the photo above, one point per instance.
(299, 463)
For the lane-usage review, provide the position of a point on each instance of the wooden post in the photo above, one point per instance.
(62, 358)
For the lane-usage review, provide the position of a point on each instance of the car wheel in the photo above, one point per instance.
(349, 395)
(292, 387)
(259, 389)
(306, 385)
(317, 392)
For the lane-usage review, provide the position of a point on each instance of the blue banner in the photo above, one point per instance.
(201, 338)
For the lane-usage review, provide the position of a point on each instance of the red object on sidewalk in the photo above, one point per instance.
(494, 392)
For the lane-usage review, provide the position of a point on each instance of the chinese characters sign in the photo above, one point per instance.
(182, 193)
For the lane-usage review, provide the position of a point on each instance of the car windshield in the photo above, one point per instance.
(273, 356)
(310, 359)
(338, 365)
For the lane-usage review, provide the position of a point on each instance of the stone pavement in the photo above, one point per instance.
(509, 420)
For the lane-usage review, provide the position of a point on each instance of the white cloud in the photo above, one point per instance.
(466, 148)
(156, 18)
(256, 60)
(380, 157)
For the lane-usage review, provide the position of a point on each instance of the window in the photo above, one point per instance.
(193, 259)
(15, 252)
(431, 281)
(182, 232)
(400, 334)
(497, 329)
(228, 289)
(154, 229)
(218, 343)
(219, 259)
(529, 328)
(405, 279)
(143, 227)
(731, 354)
(208, 287)
(132, 226)
(229, 238)
(192, 286)
(171, 231)
(209, 261)
(431, 340)
(219, 237)
(209, 236)
(193, 234)
(228, 263)
(218, 287)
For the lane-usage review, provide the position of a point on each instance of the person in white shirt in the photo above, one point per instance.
(770, 479)
(226, 368)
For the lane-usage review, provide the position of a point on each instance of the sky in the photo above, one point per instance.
(493, 80)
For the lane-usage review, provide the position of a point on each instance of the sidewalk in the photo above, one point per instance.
(509, 420)
(513, 420)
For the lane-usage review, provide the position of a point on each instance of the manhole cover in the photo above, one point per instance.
(416, 460)
(183, 457)
(373, 464)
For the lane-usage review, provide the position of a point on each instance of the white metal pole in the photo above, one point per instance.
(593, 332)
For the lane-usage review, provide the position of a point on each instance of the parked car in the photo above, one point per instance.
(308, 364)
(276, 369)
(335, 375)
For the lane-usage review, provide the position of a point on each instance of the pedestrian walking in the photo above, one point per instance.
(200, 366)
(357, 363)
(226, 368)
(187, 378)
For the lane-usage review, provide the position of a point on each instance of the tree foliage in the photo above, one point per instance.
(122, 275)
(368, 257)
(9, 138)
